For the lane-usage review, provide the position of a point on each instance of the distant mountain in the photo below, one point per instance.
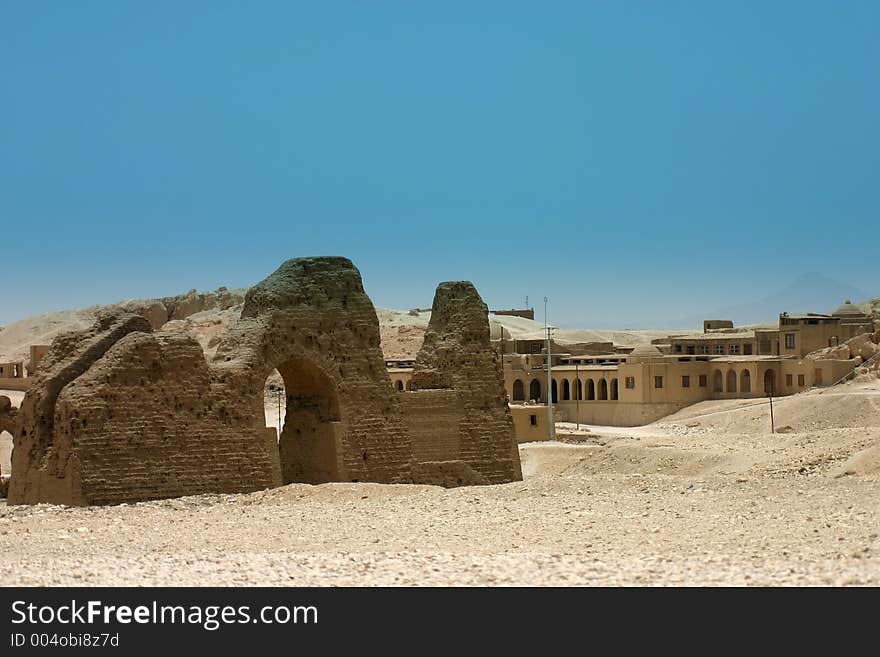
(808, 293)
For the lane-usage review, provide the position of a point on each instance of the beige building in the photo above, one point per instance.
(530, 422)
(600, 383)
(401, 372)
(794, 335)
(36, 352)
(12, 376)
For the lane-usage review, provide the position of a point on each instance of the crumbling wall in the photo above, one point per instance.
(457, 356)
(8, 417)
(312, 321)
(142, 424)
(43, 470)
(121, 413)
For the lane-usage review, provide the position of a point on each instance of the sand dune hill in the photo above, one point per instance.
(401, 332)
(16, 338)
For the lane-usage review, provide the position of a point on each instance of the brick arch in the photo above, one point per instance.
(312, 321)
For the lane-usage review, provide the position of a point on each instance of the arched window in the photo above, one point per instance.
(591, 390)
(566, 390)
(578, 390)
(553, 391)
(603, 389)
(769, 382)
(745, 381)
(718, 382)
(731, 381)
(400, 385)
(519, 391)
(613, 388)
(535, 390)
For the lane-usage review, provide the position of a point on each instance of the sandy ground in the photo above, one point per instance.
(707, 496)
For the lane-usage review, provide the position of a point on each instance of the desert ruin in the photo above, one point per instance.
(122, 413)
(412, 448)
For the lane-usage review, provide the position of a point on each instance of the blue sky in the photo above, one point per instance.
(635, 161)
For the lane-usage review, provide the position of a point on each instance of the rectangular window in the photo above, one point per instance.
(719, 348)
(678, 348)
(789, 380)
(801, 380)
(703, 381)
(765, 346)
(789, 340)
(630, 382)
(685, 381)
(533, 420)
(704, 349)
(747, 349)
(734, 349)
(658, 381)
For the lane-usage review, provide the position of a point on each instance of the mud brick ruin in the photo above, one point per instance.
(124, 412)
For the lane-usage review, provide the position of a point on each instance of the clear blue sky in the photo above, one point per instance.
(632, 160)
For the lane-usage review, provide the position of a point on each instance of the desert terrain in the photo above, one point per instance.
(707, 496)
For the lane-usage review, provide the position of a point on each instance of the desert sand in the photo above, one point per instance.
(707, 496)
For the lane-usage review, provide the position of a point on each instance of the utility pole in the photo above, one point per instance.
(578, 390)
(550, 426)
(772, 421)
(279, 393)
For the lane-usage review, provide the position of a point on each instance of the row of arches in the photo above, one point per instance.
(398, 385)
(744, 380)
(574, 389)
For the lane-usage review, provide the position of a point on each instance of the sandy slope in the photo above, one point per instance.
(708, 496)
(401, 333)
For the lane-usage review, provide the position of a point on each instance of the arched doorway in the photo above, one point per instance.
(591, 390)
(535, 390)
(553, 391)
(745, 381)
(769, 382)
(614, 389)
(519, 391)
(399, 385)
(308, 443)
(566, 390)
(603, 389)
(718, 381)
(731, 381)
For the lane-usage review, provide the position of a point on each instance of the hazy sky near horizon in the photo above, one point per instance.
(634, 161)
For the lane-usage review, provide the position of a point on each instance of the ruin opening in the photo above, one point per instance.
(309, 433)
